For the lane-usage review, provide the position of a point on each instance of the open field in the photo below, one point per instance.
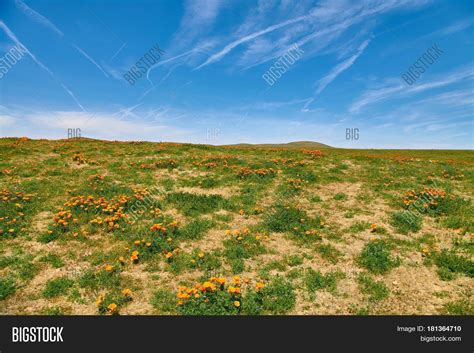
(94, 227)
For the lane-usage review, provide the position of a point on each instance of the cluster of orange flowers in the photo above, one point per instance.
(314, 153)
(296, 183)
(8, 196)
(147, 166)
(453, 176)
(107, 206)
(160, 228)
(165, 163)
(282, 160)
(11, 221)
(113, 208)
(265, 171)
(215, 284)
(79, 158)
(240, 234)
(288, 161)
(20, 140)
(140, 193)
(428, 196)
(96, 178)
(213, 162)
(246, 171)
(63, 218)
(303, 229)
(113, 307)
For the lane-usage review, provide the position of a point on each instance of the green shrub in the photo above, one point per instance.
(53, 259)
(275, 298)
(294, 260)
(329, 252)
(241, 246)
(376, 257)
(7, 287)
(295, 221)
(315, 280)
(57, 286)
(340, 196)
(449, 264)
(406, 222)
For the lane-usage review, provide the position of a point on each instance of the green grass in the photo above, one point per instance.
(294, 260)
(376, 257)
(99, 279)
(7, 287)
(406, 222)
(57, 286)
(306, 210)
(294, 221)
(358, 227)
(53, 259)
(375, 290)
(340, 196)
(278, 297)
(449, 264)
(164, 301)
(329, 253)
(315, 280)
(241, 247)
(193, 204)
(459, 307)
(195, 229)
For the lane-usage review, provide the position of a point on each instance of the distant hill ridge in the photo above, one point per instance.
(296, 145)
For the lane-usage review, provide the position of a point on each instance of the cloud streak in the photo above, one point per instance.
(340, 68)
(220, 54)
(37, 17)
(13, 37)
(43, 20)
(400, 90)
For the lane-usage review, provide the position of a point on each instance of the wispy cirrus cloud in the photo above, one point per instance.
(13, 37)
(44, 21)
(37, 17)
(198, 18)
(90, 59)
(340, 68)
(220, 54)
(312, 26)
(398, 89)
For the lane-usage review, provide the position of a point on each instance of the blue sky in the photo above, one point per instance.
(207, 86)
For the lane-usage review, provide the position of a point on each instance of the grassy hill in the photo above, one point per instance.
(296, 144)
(106, 227)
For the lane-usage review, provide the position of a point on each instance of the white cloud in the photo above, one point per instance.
(102, 125)
(314, 27)
(218, 56)
(37, 17)
(88, 57)
(373, 96)
(340, 68)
